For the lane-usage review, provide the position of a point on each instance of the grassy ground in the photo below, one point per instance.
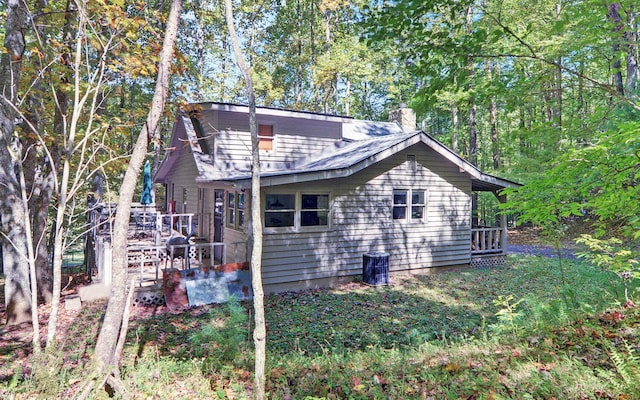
(533, 329)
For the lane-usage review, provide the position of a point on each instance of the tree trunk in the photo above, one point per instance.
(631, 39)
(454, 127)
(559, 95)
(614, 15)
(69, 142)
(299, 67)
(40, 170)
(493, 121)
(111, 326)
(559, 89)
(15, 267)
(473, 129)
(260, 332)
(473, 134)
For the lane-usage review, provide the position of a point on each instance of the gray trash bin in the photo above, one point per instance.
(375, 268)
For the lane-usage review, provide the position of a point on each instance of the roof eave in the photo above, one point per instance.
(275, 112)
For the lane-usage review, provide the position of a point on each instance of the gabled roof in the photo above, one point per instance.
(172, 154)
(183, 136)
(348, 158)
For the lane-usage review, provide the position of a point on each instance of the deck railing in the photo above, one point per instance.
(488, 240)
(149, 260)
(183, 223)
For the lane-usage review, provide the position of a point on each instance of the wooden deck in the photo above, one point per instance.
(150, 257)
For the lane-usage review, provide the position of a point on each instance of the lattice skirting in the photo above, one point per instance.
(488, 261)
(148, 297)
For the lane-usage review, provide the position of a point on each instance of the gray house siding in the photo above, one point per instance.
(360, 175)
(182, 182)
(361, 222)
(229, 140)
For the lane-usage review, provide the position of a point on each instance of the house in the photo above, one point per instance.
(333, 189)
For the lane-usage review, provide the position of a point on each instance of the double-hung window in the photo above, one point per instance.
(280, 210)
(235, 209)
(314, 210)
(409, 204)
(296, 210)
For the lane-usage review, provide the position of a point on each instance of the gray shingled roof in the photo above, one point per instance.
(361, 130)
(365, 143)
(347, 158)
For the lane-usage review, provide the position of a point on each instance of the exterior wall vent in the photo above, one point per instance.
(411, 162)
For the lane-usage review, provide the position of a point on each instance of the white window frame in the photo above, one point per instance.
(297, 216)
(328, 210)
(239, 214)
(283, 210)
(410, 205)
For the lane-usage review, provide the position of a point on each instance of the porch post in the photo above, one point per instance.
(502, 198)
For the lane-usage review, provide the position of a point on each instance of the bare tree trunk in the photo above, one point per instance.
(559, 89)
(454, 126)
(473, 128)
(347, 97)
(631, 39)
(112, 324)
(17, 289)
(31, 259)
(299, 66)
(614, 15)
(493, 120)
(69, 142)
(260, 332)
(40, 173)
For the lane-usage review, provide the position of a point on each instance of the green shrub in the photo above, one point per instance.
(225, 339)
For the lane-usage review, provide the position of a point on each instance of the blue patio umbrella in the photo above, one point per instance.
(147, 186)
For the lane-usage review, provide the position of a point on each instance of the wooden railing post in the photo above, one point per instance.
(503, 224)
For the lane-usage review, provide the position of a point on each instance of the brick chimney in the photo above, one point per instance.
(405, 117)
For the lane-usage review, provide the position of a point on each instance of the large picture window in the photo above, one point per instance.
(409, 204)
(296, 210)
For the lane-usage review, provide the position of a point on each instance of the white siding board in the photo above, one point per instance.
(232, 149)
(229, 140)
(182, 177)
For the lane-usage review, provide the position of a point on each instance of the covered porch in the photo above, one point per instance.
(489, 228)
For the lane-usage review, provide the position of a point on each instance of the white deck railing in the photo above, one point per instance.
(183, 223)
(150, 259)
(488, 240)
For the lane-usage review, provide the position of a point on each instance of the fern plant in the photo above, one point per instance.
(225, 339)
(626, 377)
(611, 254)
(507, 314)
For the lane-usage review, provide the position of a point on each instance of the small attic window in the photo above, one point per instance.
(265, 137)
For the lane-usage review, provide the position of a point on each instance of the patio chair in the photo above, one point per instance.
(144, 221)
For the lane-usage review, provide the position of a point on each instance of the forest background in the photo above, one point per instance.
(543, 92)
